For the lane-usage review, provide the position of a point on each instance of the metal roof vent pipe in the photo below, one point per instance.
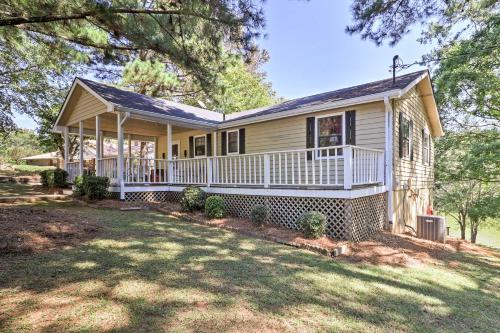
(395, 63)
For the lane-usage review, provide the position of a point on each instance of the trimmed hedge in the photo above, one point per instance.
(54, 178)
(193, 198)
(214, 207)
(313, 224)
(96, 188)
(259, 215)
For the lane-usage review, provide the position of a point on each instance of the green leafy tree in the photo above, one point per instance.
(187, 36)
(466, 172)
(18, 144)
(485, 210)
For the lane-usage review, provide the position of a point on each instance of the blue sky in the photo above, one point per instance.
(310, 52)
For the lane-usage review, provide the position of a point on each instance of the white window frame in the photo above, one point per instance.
(316, 134)
(194, 145)
(237, 140)
(426, 133)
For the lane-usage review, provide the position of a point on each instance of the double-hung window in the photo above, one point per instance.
(426, 148)
(233, 142)
(329, 132)
(200, 145)
(405, 137)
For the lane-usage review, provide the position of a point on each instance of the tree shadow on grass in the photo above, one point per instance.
(147, 272)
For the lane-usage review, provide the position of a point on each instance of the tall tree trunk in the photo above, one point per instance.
(463, 224)
(473, 234)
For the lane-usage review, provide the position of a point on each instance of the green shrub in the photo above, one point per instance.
(78, 189)
(54, 178)
(193, 198)
(313, 224)
(214, 207)
(96, 188)
(259, 215)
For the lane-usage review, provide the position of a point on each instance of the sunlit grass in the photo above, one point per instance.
(148, 272)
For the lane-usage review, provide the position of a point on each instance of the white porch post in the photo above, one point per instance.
(169, 154)
(389, 116)
(66, 147)
(347, 167)
(267, 170)
(129, 138)
(80, 133)
(214, 148)
(119, 167)
(98, 147)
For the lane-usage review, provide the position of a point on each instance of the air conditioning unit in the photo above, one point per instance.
(431, 227)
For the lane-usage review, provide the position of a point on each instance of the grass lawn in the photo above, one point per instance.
(13, 189)
(23, 170)
(487, 235)
(145, 272)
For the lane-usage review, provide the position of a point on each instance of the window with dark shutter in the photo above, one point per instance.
(350, 128)
(310, 122)
(209, 144)
(242, 141)
(405, 137)
(191, 146)
(223, 143)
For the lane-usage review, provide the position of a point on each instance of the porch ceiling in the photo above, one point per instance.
(131, 126)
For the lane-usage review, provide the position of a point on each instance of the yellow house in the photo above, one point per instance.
(362, 155)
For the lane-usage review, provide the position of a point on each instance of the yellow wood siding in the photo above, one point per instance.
(82, 105)
(290, 133)
(422, 176)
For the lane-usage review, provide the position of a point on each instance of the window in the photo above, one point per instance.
(330, 132)
(405, 137)
(426, 148)
(200, 145)
(233, 142)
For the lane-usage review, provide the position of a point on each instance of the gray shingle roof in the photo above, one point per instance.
(332, 96)
(128, 99)
(132, 100)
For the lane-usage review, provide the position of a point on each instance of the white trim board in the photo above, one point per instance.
(338, 194)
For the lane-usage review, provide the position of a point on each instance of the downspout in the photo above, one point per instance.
(389, 116)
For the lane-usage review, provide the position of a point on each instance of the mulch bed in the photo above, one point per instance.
(27, 230)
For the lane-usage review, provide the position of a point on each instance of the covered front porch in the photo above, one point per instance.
(325, 169)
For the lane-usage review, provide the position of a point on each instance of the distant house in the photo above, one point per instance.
(362, 155)
(48, 159)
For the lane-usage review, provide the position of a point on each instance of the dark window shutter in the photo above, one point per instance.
(223, 143)
(411, 140)
(350, 127)
(310, 121)
(209, 144)
(242, 141)
(422, 142)
(401, 135)
(191, 147)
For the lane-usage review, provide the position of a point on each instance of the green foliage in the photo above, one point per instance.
(78, 189)
(95, 188)
(313, 224)
(44, 43)
(214, 207)
(149, 78)
(26, 169)
(259, 215)
(56, 178)
(193, 198)
(18, 144)
(467, 173)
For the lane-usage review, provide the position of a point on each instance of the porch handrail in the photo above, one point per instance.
(343, 165)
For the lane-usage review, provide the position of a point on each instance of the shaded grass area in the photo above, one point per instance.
(148, 272)
(23, 170)
(10, 189)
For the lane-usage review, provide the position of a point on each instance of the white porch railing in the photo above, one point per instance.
(336, 166)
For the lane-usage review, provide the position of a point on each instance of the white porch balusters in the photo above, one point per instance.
(80, 133)
(267, 170)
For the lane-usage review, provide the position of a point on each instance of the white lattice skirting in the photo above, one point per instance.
(347, 219)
